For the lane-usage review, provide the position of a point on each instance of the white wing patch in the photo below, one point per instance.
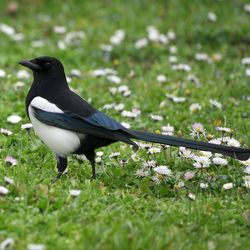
(43, 104)
(62, 142)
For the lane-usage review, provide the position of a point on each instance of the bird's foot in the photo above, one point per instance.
(59, 174)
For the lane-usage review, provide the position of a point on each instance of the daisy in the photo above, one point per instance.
(228, 186)
(32, 246)
(5, 132)
(154, 150)
(245, 60)
(114, 79)
(189, 175)
(14, 119)
(75, 72)
(2, 73)
(211, 17)
(201, 162)
(8, 180)
(74, 192)
(26, 126)
(220, 161)
(156, 117)
(142, 173)
(141, 43)
(161, 78)
(191, 196)
(3, 190)
(163, 170)
(247, 181)
(224, 129)
(59, 29)
(23, 74)
(215, 104)
(197, 130)
(118, 37)
(203, 185)
(194, 107)
(114, 155)
(185, 153)
(171, 35)
(10, 160)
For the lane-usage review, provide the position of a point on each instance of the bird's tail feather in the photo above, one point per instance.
(238, 153)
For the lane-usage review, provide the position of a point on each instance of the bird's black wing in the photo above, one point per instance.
(98, 124)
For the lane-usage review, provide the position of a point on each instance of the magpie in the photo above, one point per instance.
(68, 124)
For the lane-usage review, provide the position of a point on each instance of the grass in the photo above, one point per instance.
(119, 211)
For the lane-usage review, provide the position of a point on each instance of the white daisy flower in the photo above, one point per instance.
(224, 129)
(215, 141)
(114, 155)
(228, 186)
(131, 114)
(74, 192)
(247, 170)
(246, 163)
(10, 160)
(74, 37)
(119, 107)
(60, 29)
(142, 173)
(201, 161)
(171, 35)
(154, 150)
(245, 61)
(114, 79)
(141, 43)
(220, 161)
(156, 180)
(26, 126)
(175, 98)
(194, 107)
(181, 184)
(248, 72)
(149, 164)
(233, 143)
(118, 37)
(215, 104)
(8, 180)
(185, 153)
(135, 157)
(14, 119)
(7, 30)
(203, 185)
(163, 170)
(172, 49)
(109, 106)
(153, 33)
(3, 190)
(156, 117)
(172, 59)
(2, 73)
(5, 132)
(161, 78)
(61, 45)
(211, 17)
(189, 175)
(23, 74)
(167, 130)
(197, 130)
(191, 196)
(19, 84)
(247, 181)
(247, 8)
(7, 244)
(182, 67)
(75, 72)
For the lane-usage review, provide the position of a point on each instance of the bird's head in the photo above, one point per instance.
(45, 67)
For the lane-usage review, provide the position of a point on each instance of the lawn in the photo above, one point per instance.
(191, 65)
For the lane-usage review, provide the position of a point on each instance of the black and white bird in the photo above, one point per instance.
(67, 124)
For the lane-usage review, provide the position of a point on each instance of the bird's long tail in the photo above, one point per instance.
(238, 153)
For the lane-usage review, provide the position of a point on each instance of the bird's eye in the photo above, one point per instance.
(47, 65)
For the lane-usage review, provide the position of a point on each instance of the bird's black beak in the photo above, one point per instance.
(31, 64)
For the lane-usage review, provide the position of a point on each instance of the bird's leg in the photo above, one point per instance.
(61, 166)
(91, 157)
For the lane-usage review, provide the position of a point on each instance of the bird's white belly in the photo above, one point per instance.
(62, 142)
